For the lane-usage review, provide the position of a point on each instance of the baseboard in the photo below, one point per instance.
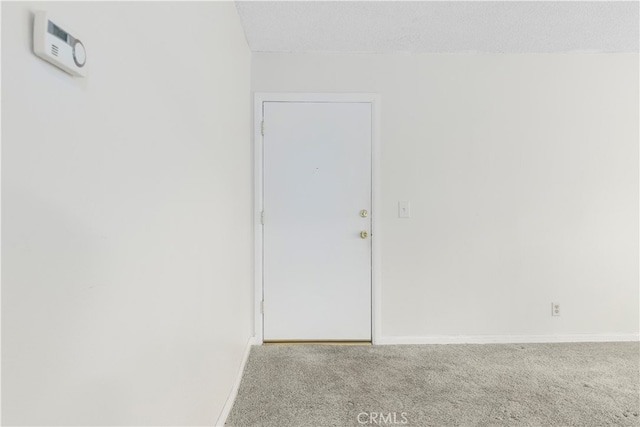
(507, 339)
(222, 419)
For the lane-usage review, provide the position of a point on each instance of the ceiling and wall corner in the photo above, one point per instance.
(441, 26)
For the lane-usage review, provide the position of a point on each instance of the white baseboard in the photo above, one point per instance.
(236, 385)
(507, 339)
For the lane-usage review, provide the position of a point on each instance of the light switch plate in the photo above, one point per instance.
(404, 210)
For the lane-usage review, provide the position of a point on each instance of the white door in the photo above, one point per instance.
(317, 187)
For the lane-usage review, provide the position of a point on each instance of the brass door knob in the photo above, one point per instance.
(364, 234)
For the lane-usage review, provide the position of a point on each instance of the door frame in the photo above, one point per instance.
(374, 100)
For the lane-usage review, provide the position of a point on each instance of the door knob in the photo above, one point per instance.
(364, 234)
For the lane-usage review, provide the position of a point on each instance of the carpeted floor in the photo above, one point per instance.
(581, 384)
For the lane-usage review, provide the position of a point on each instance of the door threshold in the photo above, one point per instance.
(317, 343)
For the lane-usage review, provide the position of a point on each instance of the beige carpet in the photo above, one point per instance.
(582, 384)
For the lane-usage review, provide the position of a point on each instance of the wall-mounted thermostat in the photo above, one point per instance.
(55, 45)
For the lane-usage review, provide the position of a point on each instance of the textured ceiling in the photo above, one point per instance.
(441, 27)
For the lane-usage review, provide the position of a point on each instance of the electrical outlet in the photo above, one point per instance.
(555, 309)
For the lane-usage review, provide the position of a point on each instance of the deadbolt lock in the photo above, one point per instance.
(364, 234)
(364, 213)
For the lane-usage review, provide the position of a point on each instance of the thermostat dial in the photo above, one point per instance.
(79, 54)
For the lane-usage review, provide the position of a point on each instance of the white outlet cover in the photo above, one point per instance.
(555, 309)
(404, 209)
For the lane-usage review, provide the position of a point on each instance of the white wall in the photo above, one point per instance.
(522, 172)
(126, 216)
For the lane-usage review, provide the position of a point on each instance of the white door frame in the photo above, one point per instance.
(374, 99)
